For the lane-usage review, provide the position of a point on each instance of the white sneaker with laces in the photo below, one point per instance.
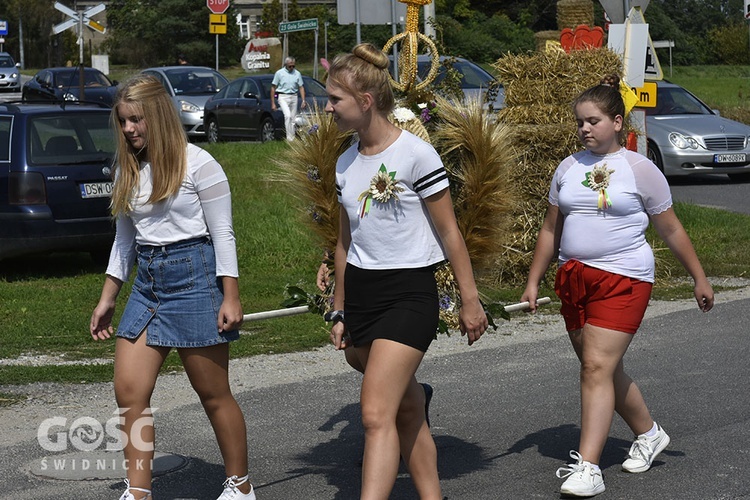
(127, 495)
(643, 451)
(582, 480)
(231, 492)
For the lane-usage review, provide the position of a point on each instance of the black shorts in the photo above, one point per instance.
(394, 304)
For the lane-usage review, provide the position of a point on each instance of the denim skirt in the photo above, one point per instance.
(176, 296)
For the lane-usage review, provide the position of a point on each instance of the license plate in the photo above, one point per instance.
(96, 190)
(730, 158)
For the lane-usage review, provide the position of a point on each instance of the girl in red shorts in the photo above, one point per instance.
(601, 201)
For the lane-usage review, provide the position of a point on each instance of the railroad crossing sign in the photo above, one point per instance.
(217, 6)
(79, 18)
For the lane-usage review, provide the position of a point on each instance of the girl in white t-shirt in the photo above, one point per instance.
(174, 218)
(600, 204)
(396, 223)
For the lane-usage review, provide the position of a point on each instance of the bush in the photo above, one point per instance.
(730, 44)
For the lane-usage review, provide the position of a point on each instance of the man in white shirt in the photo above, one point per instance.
(288, 82)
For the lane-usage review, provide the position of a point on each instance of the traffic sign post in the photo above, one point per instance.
(302, 25)
(217, 21)
(79, 19)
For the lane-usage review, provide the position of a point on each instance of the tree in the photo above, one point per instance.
(140, 28)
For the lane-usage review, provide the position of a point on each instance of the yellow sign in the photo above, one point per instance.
(94, 25)
(646, 95)
(217, 24)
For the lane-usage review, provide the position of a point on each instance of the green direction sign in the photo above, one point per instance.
(304, 24)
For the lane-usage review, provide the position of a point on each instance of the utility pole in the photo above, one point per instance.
(285, 14)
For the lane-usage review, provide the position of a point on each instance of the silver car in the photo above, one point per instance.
(190, 88)
(686, 137)
(9, 73)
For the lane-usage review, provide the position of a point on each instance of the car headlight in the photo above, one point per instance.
(14, 75)
(683, 141)
(69, 97)
(189, 107)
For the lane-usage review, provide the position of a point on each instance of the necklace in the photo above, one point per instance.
(378, 148)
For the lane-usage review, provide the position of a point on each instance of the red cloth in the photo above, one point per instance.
(601, 298)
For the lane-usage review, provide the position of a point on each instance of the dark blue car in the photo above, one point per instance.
(70, 84)
(55, 179)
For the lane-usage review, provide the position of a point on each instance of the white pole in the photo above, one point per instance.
(293, 311)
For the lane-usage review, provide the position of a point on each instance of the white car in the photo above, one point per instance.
(9, 73)
(190, 87)
(686, 137)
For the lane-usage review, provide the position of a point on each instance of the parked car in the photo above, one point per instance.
(686, 137)
(242, 109)
(475, 80)
(9, 73)
(190, 87)
(55, 179)
(64, 84)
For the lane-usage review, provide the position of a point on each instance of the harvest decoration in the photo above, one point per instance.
(472, 145)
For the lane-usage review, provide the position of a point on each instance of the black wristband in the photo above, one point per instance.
(335, 316)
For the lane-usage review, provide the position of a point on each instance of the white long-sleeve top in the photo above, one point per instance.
(612, 239)
(202, 207)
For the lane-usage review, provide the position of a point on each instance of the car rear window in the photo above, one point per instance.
(5, 125)
(70, 139)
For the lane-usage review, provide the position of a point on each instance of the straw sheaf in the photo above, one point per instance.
(578, 69)
(571, 13)
(309, 167)
(542, 114)
(476, 153)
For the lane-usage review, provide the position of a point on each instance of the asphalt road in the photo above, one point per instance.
(504, 419)
(712, 191)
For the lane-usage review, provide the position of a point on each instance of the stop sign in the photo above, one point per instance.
(217, 6)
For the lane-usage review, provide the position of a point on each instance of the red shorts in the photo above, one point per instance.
(601, 298)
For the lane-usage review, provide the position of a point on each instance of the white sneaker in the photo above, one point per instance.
(643, 451)
(127, 495)
(231, 492)
(582, 480)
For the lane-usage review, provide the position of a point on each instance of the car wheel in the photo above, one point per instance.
(654, 155)
(267, 132)
(212, 133)
(740, 177)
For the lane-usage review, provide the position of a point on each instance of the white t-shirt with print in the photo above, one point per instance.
(397, 234)
(612, 239)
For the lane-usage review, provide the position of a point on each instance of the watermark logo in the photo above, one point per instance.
(88, 434)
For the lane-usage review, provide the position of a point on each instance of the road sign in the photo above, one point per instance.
(3, 28)
(747, 9)
(302, 25)
(217, 6)
(616, 9)
(81, 17)
(646, 95)
(217, 24)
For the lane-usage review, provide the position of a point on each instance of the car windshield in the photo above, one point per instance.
(91, 78)
(314, 89)
(472, 76)
(195, 81)
(70, 138)
(6, 62)
(677, 101)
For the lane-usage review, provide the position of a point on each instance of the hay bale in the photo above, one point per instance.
(541, 38)
(539, 89)
(571, 13)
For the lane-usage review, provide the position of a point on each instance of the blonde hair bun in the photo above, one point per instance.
(372, 55)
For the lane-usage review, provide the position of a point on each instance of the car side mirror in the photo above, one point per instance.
(716, 112)
(250, 95)
(18, 65)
